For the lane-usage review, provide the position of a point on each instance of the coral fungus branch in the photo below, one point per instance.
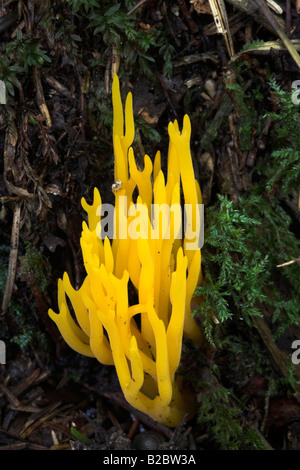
(143, 340)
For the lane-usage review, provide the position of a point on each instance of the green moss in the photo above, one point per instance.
(243, 245)
(223, 419)
(34, 262)
(235, 269)
(282, 168)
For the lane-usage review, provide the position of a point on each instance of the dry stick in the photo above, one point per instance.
(165, 13)
(229, 40)
(37, 419)
(214, 6)
(264, 49)
(297, 260)
(288, 16)
(192, 25)
(13, 257)
(266, 12)
(280, 358)
(10, 396)
(58, 86)
(138, 5)
(220, 16)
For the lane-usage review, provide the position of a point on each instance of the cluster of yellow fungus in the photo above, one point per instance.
(143, 341)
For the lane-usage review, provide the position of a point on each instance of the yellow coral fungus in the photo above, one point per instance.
(149, 249)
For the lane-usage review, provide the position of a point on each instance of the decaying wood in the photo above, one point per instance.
(251, 9)
(192, 25)
(260, 12)
(280, 32)
(11, 170)
(40, 98)
(13, 258)
(279, 357)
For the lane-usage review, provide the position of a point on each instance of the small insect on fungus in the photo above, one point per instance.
(116, 186)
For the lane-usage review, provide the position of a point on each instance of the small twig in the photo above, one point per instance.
(114, 420)
(280, 358)
(297, 260)
(192, 25)
(229, 41)
(166, 93)
(288, 17)
(10, 396)
(178, 430)
(58, 86)
(33, 423)
(133, 428)
(118, 398)
(138, 5)
(165, 13)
